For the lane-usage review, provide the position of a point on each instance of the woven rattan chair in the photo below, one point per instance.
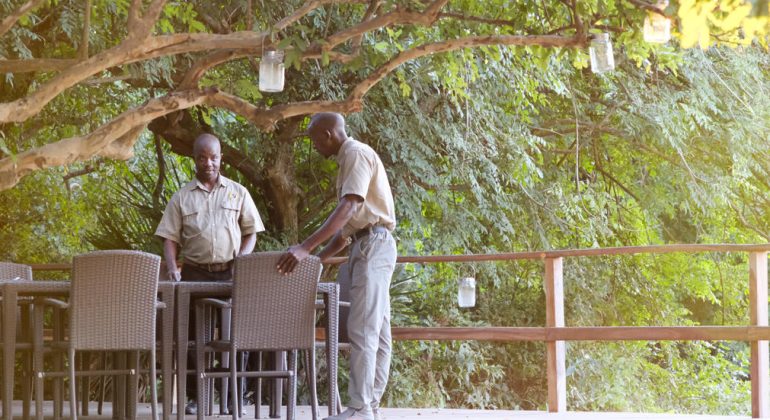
(270, 312)
(112, 307)
(344, 281)
(21, 272)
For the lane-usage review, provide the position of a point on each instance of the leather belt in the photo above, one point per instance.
(211, 267)
(362, 233)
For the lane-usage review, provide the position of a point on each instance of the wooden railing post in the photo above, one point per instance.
(556, 350)
(760, 381)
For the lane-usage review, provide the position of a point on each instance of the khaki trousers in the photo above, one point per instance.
(370, 267)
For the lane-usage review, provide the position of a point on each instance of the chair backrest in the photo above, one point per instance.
(112, 300)
(10, 271)
(273, 311)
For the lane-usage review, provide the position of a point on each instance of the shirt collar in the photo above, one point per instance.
(344, 147)
(221, 182)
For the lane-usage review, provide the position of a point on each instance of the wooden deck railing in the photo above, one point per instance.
(555, 333)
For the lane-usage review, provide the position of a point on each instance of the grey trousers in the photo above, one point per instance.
(371, 264)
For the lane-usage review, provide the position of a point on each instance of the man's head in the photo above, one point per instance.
(327, 131)
(207, 155)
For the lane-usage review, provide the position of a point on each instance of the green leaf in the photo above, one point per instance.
(381, 46)
(248, 89)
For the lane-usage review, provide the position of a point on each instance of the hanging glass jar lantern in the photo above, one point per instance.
(466, 292)
(657, 27)
(600, 51)
(271, 71)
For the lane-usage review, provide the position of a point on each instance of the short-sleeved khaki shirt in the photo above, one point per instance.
(361, 173)
(209, 225)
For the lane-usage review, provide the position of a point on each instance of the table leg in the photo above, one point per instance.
(9, 343)
(120, 362)
(182, 337)
(166, 345)
(331, 300)
(279, 363)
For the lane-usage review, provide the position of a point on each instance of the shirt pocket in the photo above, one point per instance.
(229, 214)
(192, 223)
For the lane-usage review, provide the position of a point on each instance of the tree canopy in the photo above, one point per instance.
(164, 58)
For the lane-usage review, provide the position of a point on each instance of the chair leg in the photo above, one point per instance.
(224, 315)
(85, 383)
(73, 395)
(58, 383)
(26, 385)
(133, 385)
(37, 359)
(102, 386)
(60, 323)
(200, 337)
(242, 382)
(311, 380)
(291, 404)
(258, 397)
(236, 411)
(279, 360)
(39, 396)
(120, 362)
(153, 385)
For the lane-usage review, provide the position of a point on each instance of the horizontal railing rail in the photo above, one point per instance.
(555, 333)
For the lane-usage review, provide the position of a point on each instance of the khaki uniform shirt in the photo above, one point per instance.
(361, 173)
(209, 225)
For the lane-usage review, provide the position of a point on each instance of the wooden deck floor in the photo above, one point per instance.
(303, 413)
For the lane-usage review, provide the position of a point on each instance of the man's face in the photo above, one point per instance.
(207, 161)
(322, 141)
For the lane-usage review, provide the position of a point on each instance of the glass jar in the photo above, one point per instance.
(657, 28)
(600, 51)
(271, 71)
(466, 292)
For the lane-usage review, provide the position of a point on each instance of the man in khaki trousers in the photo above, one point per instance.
(364, 219)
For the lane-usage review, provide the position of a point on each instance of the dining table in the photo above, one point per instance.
(13, 289)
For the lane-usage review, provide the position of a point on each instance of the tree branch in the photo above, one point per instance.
(37, 64)
(74, 174)
(83, 51)
(266, 118)
(746, 224)
(7, 23)
(370, 11)
(647, 6)
(456, 44)
(616, 182)
(127, 52)
(460, 16)
(306, 8)
(194, 74)
(114, 139)
(140, 24)
(134, 14)
(398, 16)
(158, 190)
(197, 71)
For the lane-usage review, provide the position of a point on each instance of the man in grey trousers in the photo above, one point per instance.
(364, 219)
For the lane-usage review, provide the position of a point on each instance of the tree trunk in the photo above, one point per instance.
(281, 192)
